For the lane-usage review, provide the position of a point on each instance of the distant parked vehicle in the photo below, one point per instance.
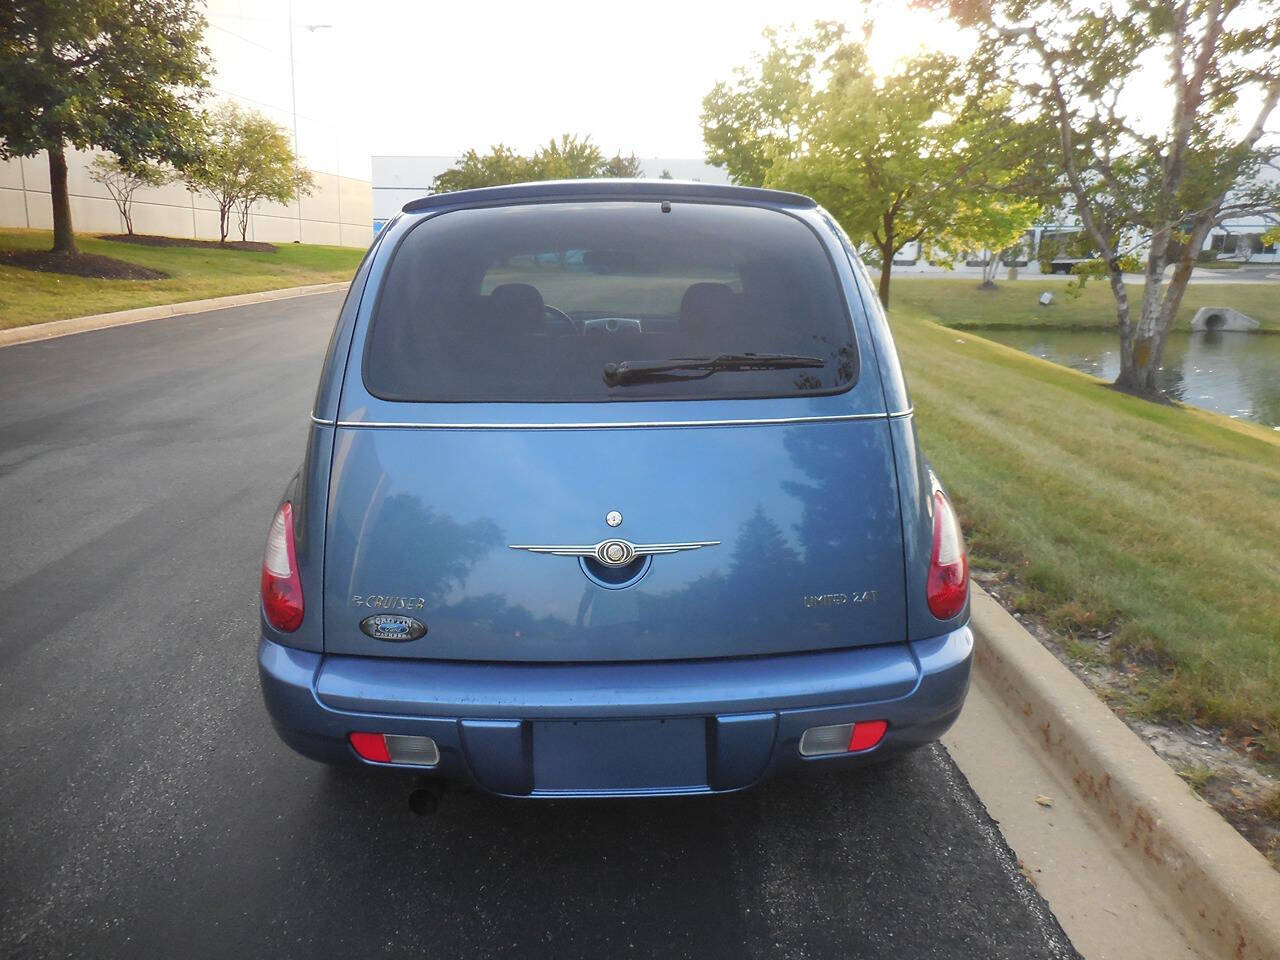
(612, 488)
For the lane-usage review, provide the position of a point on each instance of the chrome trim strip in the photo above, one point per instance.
(902, 413)
(763, 421)
(323, 423)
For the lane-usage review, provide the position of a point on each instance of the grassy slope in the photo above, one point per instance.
(961, 304)
(1158, 520)
(27, 296)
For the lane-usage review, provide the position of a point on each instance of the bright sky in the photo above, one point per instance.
(403, 77)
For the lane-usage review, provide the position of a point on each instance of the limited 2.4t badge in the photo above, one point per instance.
(392, 627)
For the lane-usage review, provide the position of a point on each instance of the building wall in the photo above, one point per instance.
(339, 212)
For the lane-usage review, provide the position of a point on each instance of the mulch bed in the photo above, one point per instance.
(150, 240)
(80, 265)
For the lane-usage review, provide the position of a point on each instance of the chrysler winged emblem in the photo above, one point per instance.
(615, 553)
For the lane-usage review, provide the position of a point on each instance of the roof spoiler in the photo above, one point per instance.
(611, 189)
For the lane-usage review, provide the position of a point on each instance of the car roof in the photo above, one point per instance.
(610, 188)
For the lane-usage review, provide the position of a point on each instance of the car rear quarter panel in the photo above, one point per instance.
(916, 479)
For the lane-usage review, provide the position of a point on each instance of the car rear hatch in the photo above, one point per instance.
(753, 512)
(803, 540)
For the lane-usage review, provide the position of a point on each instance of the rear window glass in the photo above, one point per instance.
(533, 303)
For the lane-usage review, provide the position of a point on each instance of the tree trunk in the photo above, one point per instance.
(1142, 345)
(1128, 379)
(886, 270)
(64, 238)
(989, 270)
(888, 246)
(1160, 311)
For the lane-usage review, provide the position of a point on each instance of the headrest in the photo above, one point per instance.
(708, 306)
(516, 306)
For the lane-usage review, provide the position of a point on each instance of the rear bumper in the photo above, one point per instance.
(704, 726)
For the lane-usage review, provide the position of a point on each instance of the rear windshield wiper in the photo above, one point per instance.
(634, 371)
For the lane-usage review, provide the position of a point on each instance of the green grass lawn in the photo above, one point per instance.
(1157, 522)
(958, 302)
(28, 296)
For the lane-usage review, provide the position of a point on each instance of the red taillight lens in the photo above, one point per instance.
(948, 585)
(281, 587)
(866, 734)
(371, 746)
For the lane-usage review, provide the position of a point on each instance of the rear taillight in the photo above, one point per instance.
(842, 738)
(948, 585)
(393, 748)
(281, 587)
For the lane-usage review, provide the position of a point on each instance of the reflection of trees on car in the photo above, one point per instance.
(761, 586)
(399, 526)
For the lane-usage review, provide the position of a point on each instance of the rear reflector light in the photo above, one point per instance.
(948, 586)
(842, 738)
(867, 735)
(371, 746)
(281, 586)
(392, 748)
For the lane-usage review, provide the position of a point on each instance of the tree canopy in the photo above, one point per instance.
(568, 158)
(120, 75)
(122, 180)
(1151, 171)
(897, 159)
(245, 158)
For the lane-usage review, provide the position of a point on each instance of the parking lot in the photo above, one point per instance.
(147, 809)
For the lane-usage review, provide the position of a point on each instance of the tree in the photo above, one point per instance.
(122, 180)
(272, 173)
(912, 157)
(665, 174)
(750, 122)
(245, 158)
(996, 228)
(569, 158)
(500, 165)
(622, 167)
(120, 75)
(279, 183)
(1142, 176)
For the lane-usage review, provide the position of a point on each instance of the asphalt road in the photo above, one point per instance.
(147, 809)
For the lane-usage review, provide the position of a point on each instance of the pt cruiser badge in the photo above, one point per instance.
(389, 626)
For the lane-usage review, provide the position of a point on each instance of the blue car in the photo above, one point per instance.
(612, 488)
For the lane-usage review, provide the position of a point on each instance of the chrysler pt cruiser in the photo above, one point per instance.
(612, 488)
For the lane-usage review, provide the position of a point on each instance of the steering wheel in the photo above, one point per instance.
(555, 313)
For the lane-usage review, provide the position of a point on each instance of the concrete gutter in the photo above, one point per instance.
(100, 321)
(1224, 889)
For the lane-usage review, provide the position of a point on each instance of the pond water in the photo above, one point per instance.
(1236, 374)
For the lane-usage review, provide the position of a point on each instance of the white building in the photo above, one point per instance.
(337, 212)
(273, 63)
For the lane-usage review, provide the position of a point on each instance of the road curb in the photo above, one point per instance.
(120, 318)
(1224, 888)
